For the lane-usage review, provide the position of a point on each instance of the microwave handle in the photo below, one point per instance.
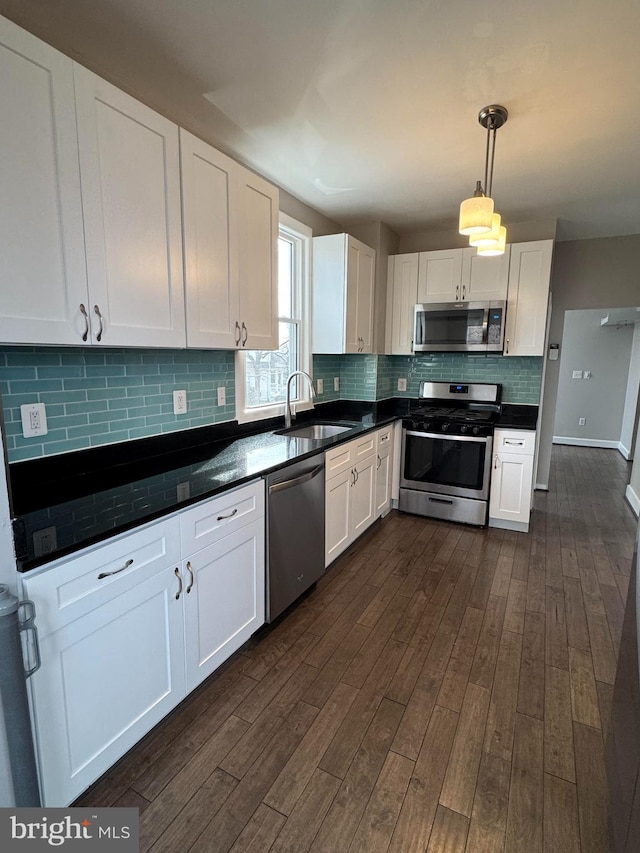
(485, 325)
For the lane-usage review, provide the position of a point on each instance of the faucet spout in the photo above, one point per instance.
(287, 406)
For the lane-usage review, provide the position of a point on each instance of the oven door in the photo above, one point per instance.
(457, 465)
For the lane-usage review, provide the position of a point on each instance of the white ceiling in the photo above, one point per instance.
(367, 109)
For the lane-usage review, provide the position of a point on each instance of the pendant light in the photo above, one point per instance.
(478, 217)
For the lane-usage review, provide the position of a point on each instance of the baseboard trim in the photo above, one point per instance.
(633, 500)
(541, 487)
(625, 451)
(505, 524)
(586, 442)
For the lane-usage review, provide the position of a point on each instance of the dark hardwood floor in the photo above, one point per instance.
(443, 689)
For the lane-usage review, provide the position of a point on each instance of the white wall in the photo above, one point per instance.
(632, 399)
(600, 400)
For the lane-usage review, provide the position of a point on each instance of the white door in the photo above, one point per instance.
(440, 276)
(529, 276)
(484, 278)
(403, 299)
(383, 484)
(511, 486)
(105, 680)
(224, 599)
(363, 496)
(352, 334)
(257, 202)
(366, 273)
(130, 169)
(210, 245)
(42, 262)
(338, 514)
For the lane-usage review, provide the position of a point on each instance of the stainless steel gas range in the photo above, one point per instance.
(446, 451)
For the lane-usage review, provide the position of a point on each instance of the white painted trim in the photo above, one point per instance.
(541, 487)
(586, 442)
(505, 524)
(633, 499)
(625, 451)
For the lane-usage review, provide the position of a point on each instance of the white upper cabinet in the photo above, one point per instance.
(484, 279)
(462, 275)
(402, 295)
(42, 263)
(129, 166)
(529, 277)
(210, 245)
(258, 261)
(440, 276)
(343, 285)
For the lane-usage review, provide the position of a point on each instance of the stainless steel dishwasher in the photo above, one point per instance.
(295, 532)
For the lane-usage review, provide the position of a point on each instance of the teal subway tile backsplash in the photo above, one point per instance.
(327, 368)
(100, 397)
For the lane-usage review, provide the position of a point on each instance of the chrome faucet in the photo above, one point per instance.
(287, 405)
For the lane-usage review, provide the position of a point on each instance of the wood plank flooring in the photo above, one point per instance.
(442, 689)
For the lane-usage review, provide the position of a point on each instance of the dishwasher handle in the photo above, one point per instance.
(296, 481)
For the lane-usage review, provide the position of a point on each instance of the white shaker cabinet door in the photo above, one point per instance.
(42, 262)
(366, 283)
(258, 262)
(210, 245)
(338, 514)
(130, 170)
(440, 276)
(363, 496)
(224, 599)
(105, 680)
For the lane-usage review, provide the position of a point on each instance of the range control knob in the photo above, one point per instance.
(464, 428)
(476, 430)
(445, 427)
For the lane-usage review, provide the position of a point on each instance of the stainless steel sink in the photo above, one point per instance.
(315, 432)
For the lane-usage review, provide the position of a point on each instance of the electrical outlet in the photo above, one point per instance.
(183, 492)
(222, 395)
(34, 420)
(45, 541)
(179, 402)
(582, 421)
(336, 383)
(402, 384)
(577, 374)
(319, 386)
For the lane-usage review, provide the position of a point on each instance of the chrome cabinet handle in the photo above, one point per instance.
(507, 349)
(353, 478)
(464, 292)
(379, 462)
(245, 335)
(231, 514)
(191, 575)
(495, 461)
(457, 292)
(176, 572)
(96, 308)
(27, 624)
(116, 572)
(239, 333)
(83, 311)
(356, 476)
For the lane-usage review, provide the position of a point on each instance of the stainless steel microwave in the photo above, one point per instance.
(459, 327)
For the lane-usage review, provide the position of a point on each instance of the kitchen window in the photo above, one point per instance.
(261, 375)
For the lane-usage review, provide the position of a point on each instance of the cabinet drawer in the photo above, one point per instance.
(385, 441)
(365, 446)
(340, 459)
(71, 588)
(209, 521)
(514, 441)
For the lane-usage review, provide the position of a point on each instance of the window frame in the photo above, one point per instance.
(301, 236)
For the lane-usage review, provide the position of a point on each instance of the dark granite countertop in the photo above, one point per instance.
(142, 481)
(518, 416)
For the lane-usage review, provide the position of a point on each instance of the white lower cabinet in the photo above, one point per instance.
(129, 627)
(512, 479)
(358, 488)
(384, 470)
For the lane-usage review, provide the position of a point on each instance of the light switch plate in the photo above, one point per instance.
(577, 374)
(34, 420)
(319, 386)
(222, 395)
(183, 491)
(402, 384)
(45, 541)
(336, 383)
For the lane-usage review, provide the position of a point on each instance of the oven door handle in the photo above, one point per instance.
(479, 439)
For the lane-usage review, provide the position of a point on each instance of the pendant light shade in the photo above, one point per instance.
(488, 238)
(476, 213)
(478, 218)
(495, 248)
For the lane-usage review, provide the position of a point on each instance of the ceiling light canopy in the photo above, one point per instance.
(478, 217)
